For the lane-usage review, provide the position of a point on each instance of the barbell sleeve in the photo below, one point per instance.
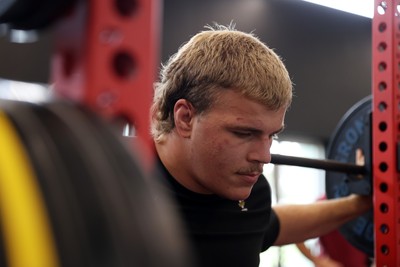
(328, 165)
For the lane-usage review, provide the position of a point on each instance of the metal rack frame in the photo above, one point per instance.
(386, 131)
(106, 57)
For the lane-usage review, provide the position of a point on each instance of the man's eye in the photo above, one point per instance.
(242, 134)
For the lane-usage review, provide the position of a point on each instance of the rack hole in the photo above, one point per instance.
(382, 66)
(382, 106)
(383, 146)
(383, 166)
(125, 126)
(382, 27)
(382, 46)
(382, 86)
(383, 187)
(385, 249)
(381, 9)
(384, 208)
(384, 229)
(126, 8)
(382, 126)
(124, 65)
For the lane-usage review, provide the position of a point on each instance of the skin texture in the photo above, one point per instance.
(225, 148)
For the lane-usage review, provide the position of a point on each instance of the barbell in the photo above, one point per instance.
(323, 164)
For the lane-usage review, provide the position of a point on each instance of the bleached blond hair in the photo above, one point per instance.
(219, 58)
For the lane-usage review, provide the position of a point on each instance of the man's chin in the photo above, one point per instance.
(241, 194)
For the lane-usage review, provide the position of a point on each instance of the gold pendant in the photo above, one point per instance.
(241, 204)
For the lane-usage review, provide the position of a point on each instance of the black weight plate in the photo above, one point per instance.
(86, 165)
(137, 225)
(103, 209)
(53, 174)
(77, 190)
(353, 132)
(142, 195)
(79, 211)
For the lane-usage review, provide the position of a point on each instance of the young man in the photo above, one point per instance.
(221, 100)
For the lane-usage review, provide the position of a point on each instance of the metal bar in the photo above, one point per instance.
(328, 165)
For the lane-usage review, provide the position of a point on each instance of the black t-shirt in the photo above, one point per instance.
(221, 231)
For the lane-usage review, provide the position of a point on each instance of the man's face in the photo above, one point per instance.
(229, 145)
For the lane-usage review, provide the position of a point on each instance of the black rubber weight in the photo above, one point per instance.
(104, 210)
(140, 226)
(48, 159)
(353, 132)
(83, 162)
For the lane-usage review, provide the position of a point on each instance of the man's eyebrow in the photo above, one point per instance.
(255, 130)
(245, 128)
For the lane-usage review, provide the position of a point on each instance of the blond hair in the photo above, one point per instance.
(216, 59)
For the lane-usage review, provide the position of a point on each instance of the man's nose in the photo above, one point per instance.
(261, 152)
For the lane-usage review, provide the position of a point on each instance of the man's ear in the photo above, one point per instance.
(184, 114)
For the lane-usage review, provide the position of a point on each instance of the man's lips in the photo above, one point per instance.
(251, 177)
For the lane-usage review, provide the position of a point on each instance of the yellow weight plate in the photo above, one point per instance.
(26, 228)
